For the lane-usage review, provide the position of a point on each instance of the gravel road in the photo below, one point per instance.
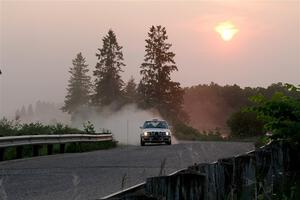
(96, 174)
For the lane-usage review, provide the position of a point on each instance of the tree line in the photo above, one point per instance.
(155, 90)
(46, 112)
(212, 106)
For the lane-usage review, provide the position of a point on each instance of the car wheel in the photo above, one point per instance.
(142, 143)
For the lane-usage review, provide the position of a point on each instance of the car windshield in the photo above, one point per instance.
(155, 124)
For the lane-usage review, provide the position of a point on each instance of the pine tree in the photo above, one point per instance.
(23, 113)
(17, 114)
(130, 91)
(156, 87)
(30, 113)
(108, 82)
(78, 87)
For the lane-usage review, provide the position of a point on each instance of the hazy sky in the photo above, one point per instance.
(39, 39)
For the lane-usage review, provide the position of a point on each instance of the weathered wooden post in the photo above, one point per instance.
(176, 187)
(245, 176)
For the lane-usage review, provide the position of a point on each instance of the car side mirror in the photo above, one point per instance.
(141, 127)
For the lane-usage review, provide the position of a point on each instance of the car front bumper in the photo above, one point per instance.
(156, 139)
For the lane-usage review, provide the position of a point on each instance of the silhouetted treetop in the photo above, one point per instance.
(108, 82)
(156, 87)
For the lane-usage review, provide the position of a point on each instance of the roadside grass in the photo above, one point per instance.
(74, 147)
(185, 132)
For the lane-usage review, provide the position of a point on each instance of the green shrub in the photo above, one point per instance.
(14, 128)
(63, 129)
(280, 113)
(185, 132)
(245, 124)
(89, 128)
(35, 128)
(8, 127)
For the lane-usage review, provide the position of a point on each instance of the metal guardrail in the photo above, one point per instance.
(11, 141)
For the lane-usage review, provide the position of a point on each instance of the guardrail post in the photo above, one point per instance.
(36, 150)
(49, 149)
(19, 150)
(2, 151)
(62, 148)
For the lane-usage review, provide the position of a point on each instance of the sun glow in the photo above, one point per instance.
(226, 30)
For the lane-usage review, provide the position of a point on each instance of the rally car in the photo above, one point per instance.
(155, 131)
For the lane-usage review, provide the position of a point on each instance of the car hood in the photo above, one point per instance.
(156, 130)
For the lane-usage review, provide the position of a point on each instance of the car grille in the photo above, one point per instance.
(157, 133)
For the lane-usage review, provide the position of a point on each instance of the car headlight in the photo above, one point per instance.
(145, 133)
(168, 133)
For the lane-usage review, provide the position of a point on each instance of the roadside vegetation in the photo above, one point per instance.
(270, 118)
(15, 128)
(212, 105)
(258, 115)
(185, 132)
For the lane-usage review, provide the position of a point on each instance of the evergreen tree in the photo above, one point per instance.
(78, 87)
(17, 114)
(156, 87)
(108, 82)
(23, 113)
(130, 91)
(30, 113)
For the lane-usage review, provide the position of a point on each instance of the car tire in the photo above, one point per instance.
(169, 143)
(142, 143)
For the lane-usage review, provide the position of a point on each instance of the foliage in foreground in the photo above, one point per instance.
(280, 114)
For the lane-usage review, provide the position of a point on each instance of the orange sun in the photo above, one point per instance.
(226, 30)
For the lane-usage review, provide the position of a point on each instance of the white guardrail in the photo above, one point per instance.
(51, 139)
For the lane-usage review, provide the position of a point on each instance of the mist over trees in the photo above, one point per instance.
(155, 90)
(209, 107)
(45, 112)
